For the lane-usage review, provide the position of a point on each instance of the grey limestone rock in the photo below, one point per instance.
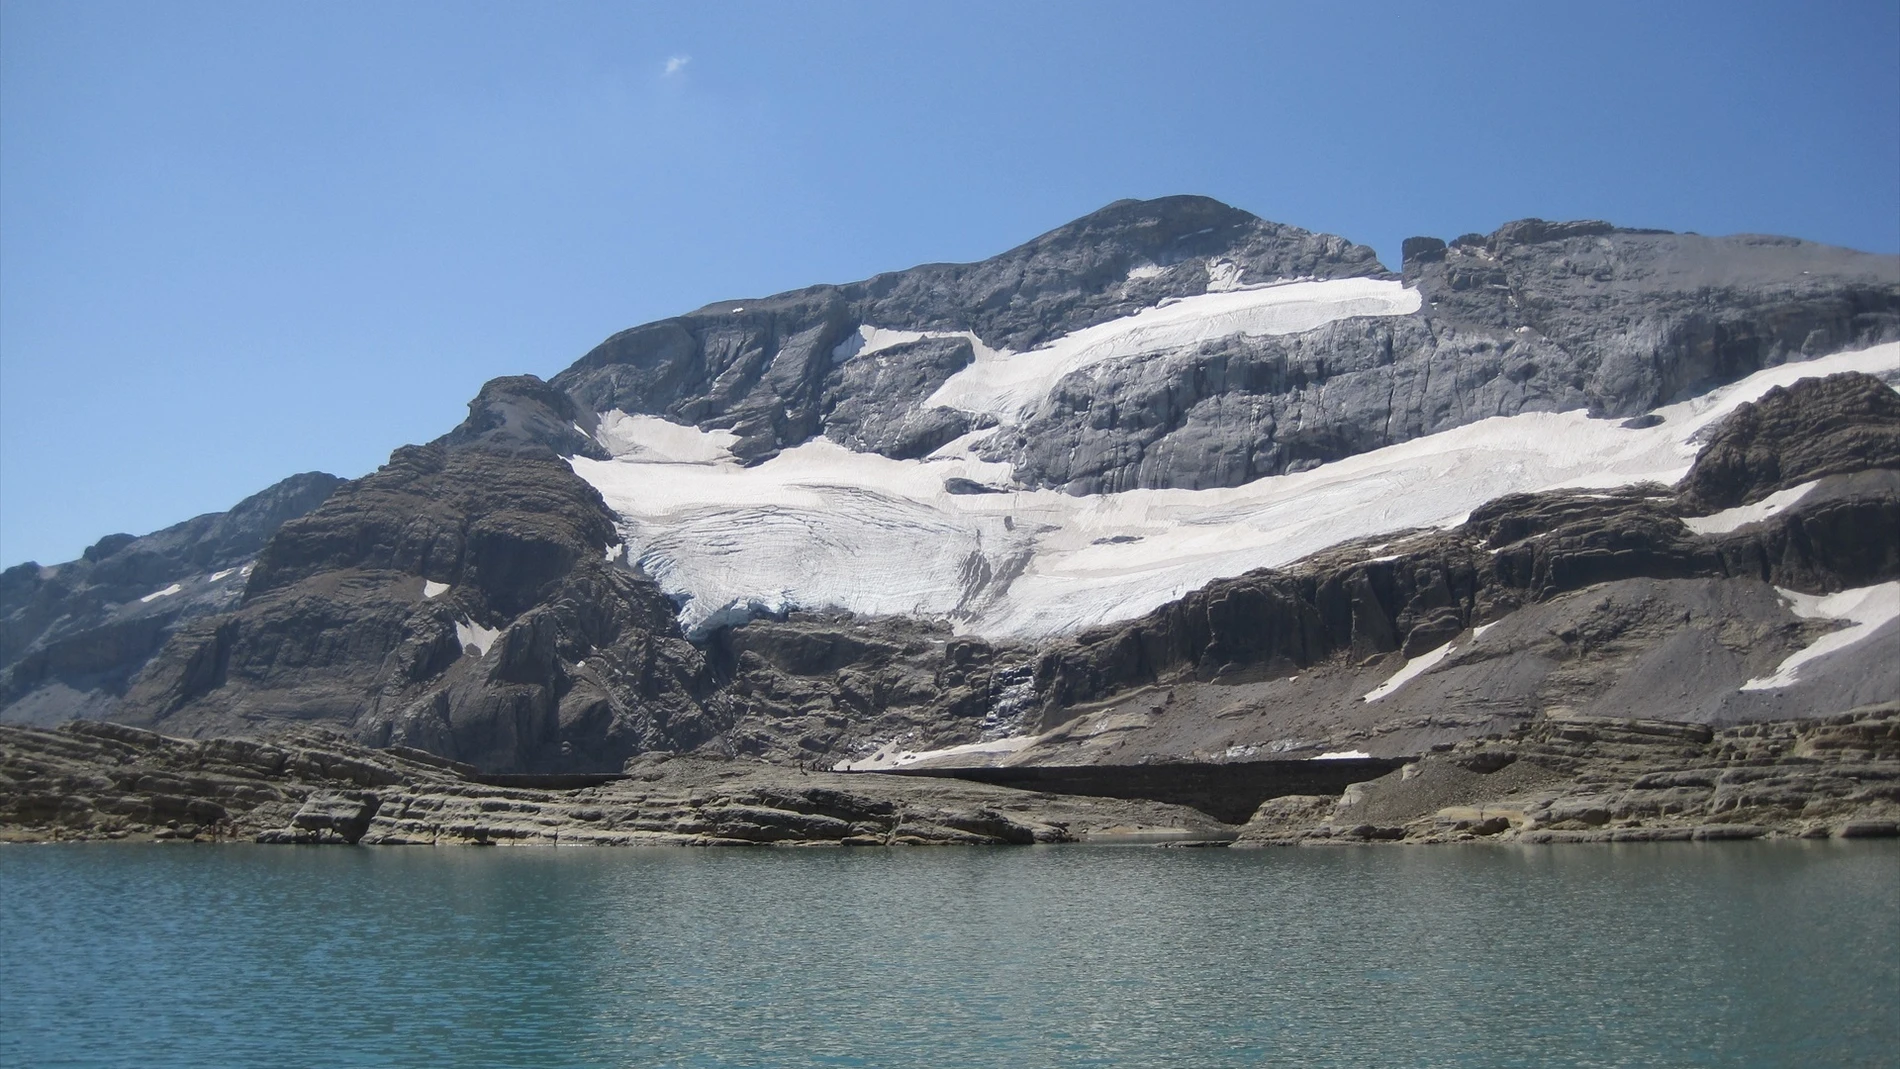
(769, 369)
(1535, 317)
(74, 635)
(104, 781)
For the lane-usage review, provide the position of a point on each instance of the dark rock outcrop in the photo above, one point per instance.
(461, 600)
(816, 687)
(1815, 428)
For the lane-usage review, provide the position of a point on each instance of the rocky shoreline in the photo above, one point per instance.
(1573, 779)
(1558, 779)
(99, 781)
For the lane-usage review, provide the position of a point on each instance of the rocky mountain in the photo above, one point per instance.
(1168, 483)
(73, 635)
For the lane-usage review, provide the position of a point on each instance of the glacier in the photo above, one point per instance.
(821, 527)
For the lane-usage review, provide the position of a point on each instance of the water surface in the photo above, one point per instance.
(1639, 954)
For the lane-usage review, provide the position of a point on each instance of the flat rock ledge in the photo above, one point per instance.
(1559, 779)
(1572, 779)
(98, 781)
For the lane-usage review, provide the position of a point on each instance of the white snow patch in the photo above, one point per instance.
(1868, 608)
(964, 446)
(1343, 755)
(888, 756)
(217, 576)
(165, 593)
(616, 551)
(658, 441)
(819, 526)
(1010, 385)
(1414, 668)
(474, 634)
(430, 588)
(869, 341)
(1729, 519)
(1140, 271)
(1419, 665)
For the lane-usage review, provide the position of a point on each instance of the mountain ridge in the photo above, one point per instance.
(480, 597)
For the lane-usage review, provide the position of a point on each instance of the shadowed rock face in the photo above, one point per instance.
(527, 655)
(72, 636)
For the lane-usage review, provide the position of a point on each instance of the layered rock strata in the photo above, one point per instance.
(93, 781)
(1603, 780)
(1586, 587)
(1562, 778)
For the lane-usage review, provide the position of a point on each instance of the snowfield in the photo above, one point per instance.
(890, 755)
(1742, 515)
(822, 527)
(1867, 609)
(470, 633)
(1010, 386)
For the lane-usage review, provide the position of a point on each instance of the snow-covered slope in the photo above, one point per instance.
(819, 526)
(1009, 386)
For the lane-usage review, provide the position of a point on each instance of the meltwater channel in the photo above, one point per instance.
(1748, 954)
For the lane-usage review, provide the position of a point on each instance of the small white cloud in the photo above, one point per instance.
(675, 64)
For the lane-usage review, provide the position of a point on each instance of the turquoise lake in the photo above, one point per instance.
(1756, 954)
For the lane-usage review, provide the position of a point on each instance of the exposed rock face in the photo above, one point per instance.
(1815, 428)
(768, 369)
(1519, 552)
(1651, 316)
(1536, 317)
(73, 635)
(869, 403)
(459, 599)
(1562, 778)
(1525, 549)
(1588, 779)
(105, 781)
(811, 687)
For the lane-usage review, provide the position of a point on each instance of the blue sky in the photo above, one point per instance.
(243, 240)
